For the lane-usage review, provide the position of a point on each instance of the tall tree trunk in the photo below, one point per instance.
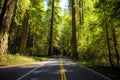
(107, 37)
(23, 38)
(5, 22)
(81, 12)
(51, 32)
(115, 46)
(74, 37)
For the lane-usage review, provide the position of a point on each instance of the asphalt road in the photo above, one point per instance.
(54, 69)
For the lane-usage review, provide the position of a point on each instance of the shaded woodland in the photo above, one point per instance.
(86, 30)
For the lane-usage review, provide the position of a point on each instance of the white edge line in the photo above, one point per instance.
(30, 71)
(95, 72)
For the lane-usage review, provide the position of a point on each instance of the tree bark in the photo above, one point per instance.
(5, 22)
(82, 12)
(74, 37)
(115, 46)
(23, 38)
(51, 32)
(107, 37)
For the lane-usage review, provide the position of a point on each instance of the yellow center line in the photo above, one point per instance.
(62, 71)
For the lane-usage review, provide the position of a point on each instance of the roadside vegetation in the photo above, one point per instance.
(10, 59)
(112, 73)
(84, 30)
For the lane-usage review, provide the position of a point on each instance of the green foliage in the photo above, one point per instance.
(1, 5)
(91, 35)
(91, 31)
(20, 10)
(65, 37)
(18, 59)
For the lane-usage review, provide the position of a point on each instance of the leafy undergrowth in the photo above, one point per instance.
(17, 59)
(112, 73)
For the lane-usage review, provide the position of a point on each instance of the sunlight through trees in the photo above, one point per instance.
(87, 30)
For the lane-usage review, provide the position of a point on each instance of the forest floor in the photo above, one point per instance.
(112, 73)
(10, 59)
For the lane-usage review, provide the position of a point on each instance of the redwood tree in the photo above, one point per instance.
(23, 39)
(74, 37)
(107, 36)
(51, 32)
(5, 22)
(115, 46)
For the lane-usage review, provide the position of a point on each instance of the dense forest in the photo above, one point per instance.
(85, 30)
